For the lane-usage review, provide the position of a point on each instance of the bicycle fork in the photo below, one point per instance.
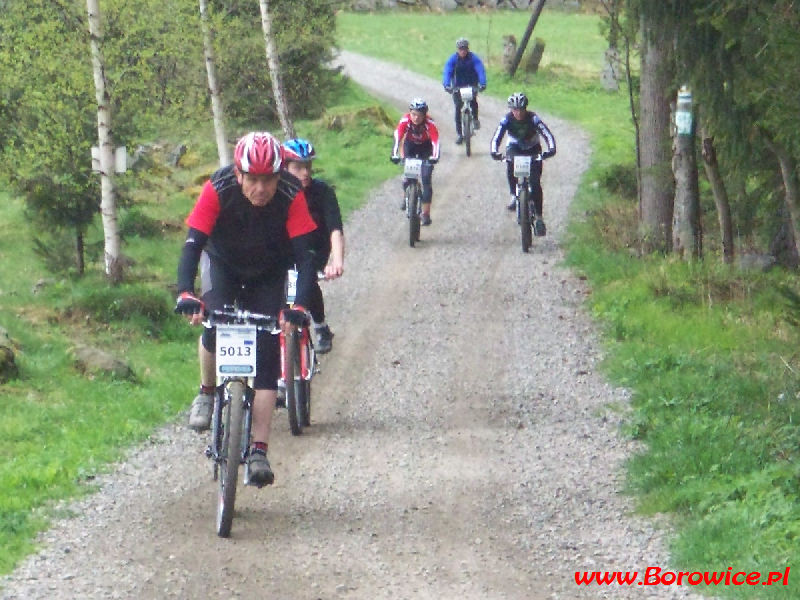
(214, 450)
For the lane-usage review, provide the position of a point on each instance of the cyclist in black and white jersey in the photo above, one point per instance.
(525, 132)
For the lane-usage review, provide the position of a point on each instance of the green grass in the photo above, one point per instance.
(58, 428)
(709, 353)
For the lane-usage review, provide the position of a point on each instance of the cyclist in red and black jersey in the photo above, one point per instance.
(419, 137)
(249, 225)
(328, 239)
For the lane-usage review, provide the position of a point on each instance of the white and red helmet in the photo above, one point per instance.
(258, 153)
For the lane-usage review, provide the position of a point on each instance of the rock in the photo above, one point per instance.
(93, 361)
(8, 365)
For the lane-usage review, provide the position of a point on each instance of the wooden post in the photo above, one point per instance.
(537, 10)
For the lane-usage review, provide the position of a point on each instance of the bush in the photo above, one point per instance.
(123, 303)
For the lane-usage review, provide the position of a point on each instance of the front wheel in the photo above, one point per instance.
(412, 202)
(524, 219)
(294, 381)
(305, 405)
(231, 420)
(466, 128)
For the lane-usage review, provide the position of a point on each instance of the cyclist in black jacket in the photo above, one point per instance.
(328, 239)
(525, 134)
(249, 225)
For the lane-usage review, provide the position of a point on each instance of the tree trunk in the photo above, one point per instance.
(213, 89)
(686, 239)
(108, 204)
(275, 71)
(792, 193)
(537, 10)
(720, 198)
(79, 253)
(657, 184)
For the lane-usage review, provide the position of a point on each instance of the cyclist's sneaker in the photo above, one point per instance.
(539, 229)
(425, 219)
(476, 124)
(200, 413)
(258, 466)
(324, 339)
(512, 204)
(459, 139)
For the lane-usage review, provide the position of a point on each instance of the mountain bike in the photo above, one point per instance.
(467, 118)
(232, 416)
(412, 189)
(526, 214)
(299, 361)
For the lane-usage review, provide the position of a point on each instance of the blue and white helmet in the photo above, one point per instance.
(299, 150)
(518, 100)
(418, 104)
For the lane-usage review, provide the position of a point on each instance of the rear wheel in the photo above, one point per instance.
(231, 420)
(291, 372)
(466, 128)
(524, 219)
(413, 214)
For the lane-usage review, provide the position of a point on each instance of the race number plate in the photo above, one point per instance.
(466, 93)
(412, 168)
(236, 350)
(291, 286)
(522, 166)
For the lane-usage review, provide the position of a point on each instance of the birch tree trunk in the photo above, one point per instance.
(275, 71)
(657, 184)
(108, 205)
(213, 88)
(720, 197)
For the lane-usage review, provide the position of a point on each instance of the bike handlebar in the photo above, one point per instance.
(231, 316)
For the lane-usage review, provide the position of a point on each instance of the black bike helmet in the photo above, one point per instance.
(462, 43)
(518, 100)
(418, 104)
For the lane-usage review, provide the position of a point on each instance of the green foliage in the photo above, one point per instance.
(304, 34)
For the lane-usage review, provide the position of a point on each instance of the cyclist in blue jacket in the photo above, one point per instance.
(463, 69)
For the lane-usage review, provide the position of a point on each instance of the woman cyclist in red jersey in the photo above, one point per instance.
(419, 137)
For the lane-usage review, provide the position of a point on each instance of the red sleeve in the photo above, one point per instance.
(299, 221)
(205, 211)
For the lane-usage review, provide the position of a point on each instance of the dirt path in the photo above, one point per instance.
(463, 446)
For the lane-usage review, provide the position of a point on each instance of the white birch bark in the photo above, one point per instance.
(213, 88)
(275, 72)
(108, 205)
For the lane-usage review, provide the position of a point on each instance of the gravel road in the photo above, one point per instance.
(464, 446)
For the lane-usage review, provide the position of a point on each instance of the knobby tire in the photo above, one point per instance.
(466, 129)
(412, 202)
(292, 371)
(305, 405)
(232, 421)
(525, 219)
